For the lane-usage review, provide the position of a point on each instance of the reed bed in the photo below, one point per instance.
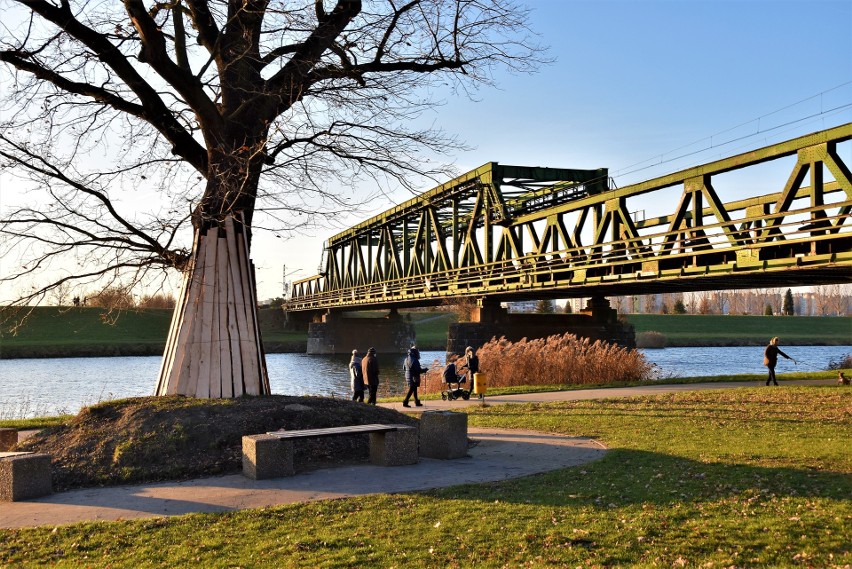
(556, 360)
(650, 340)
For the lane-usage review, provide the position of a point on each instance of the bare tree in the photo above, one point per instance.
(229, 116)
(463, 307)
(721, 301)
(61, 294)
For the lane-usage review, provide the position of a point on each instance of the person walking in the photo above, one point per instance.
(412, 376)
(356, 377)
(370, 371)
(770, 359)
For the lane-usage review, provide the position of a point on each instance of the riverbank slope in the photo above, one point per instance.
(89, 331)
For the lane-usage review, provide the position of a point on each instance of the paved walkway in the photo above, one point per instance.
(499, 454)
(584, 394)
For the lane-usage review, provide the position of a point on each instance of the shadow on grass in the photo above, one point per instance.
(626, 477)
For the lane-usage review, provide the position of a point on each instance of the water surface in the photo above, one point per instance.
(36, 387)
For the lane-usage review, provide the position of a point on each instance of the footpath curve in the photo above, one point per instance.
(498, 454)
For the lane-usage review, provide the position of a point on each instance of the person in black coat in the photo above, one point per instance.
(770, 359)
(412, 376)
(370, 369)
(356, 377)
(471, 362)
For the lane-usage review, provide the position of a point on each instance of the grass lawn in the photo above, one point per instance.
(84, 331)
(709, 329)
(753, 477)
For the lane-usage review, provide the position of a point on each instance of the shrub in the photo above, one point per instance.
(845, 362)
(112, 297)
(157, 301)
(650, 340)
(557, 360)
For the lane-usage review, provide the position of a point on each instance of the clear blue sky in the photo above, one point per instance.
(634, 85)
(643, 82)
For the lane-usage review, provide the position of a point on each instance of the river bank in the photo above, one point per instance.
(51, 332)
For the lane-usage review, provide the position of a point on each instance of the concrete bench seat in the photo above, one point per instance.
(270, 455)
(24, 475)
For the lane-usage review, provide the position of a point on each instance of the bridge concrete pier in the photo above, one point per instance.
(337, 334)
(598, 321)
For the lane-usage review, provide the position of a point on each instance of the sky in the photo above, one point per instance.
(634, 85)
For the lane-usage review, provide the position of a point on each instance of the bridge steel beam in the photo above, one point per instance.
(513, 232)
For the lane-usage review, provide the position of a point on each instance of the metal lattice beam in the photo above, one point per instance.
(516, 232)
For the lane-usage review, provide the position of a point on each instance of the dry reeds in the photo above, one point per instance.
(557, 360)
(650, 340)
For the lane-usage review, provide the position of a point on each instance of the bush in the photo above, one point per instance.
(844, 362)
(557, 360)
(157, 301)
(650, 340)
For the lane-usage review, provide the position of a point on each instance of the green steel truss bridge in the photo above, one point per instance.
(513, 233)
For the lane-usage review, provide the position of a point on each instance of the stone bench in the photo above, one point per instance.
(443, 434)
(271, 455)
(24, 475)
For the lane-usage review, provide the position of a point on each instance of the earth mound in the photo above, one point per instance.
(147, 439)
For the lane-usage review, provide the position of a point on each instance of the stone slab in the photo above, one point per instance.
(24, 475)
(443, 434)
(267, 456)
(8, 439)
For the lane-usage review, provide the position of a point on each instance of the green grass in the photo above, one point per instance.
(54, 332)
(695, 329)
(35, 423)
(431, 329)
(752, 477)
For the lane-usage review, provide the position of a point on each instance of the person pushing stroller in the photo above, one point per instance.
(452, 378)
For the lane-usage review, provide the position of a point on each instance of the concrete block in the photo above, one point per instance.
(443, 434)
(8, 439)
(267, 456)
(24, 475)
(394, 448)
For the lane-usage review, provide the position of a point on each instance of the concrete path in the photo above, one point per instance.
(497, 455)
(584, 394)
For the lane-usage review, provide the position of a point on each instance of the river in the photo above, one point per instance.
(37, 387)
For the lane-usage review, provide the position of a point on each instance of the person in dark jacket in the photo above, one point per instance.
(471, 362)
(356, 377)
(370, 369)
(770, 359)
(412, 376)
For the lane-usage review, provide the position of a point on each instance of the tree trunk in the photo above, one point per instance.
(214, 347)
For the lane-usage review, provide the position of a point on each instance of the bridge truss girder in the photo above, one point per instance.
(516, 233)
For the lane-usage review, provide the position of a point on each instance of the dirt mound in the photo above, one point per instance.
(147, 439)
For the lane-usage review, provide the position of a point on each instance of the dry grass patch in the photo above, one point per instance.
(556, 360)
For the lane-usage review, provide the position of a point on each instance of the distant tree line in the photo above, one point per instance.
(111, 297)
(823, 300)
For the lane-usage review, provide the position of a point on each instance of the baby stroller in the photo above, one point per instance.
(452, 379)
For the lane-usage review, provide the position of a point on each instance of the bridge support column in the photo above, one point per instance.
(598, 321)
(337, 334)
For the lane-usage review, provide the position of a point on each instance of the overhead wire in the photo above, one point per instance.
(660, 158)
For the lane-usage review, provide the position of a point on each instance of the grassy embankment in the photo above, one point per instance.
(715, 330)
(747, 478)
(53, 332)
